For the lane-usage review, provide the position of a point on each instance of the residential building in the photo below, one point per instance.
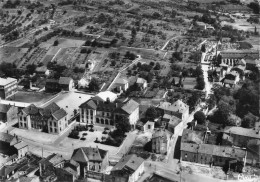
(209, 154)
(8, 87)
(178, 109)
(148, 126)
(66, 83)
(105, 113)
(142, 83)
(90, 159)
(51, 162)
(233, 57)
(51, 119)
(128, 169)
(8, 113)
(241, 136)
(175, 125)
(52, 85)
(160, 142)
(121, 84)
(43, 70)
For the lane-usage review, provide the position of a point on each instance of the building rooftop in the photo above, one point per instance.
(141, 80)
(130, 106)
(129, 162)
(5, 137)
(107, 94)
(189, 147)
(20, 145)
(59, 114)
(65, 80)
(86, 154)
(252, 133)
(122, 81)
(6, 81)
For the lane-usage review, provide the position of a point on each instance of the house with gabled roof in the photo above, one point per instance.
(66, 83)
(121, 84)
(128, 169)
(90, 159)
(178, 109)
(51, 118)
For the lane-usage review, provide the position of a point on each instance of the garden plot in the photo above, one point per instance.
(11, 54)
(65, 56)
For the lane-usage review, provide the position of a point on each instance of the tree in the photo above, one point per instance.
(133, 33)
(255, 7)
(93, 85)
(152, 113)
(200, 83)
(249, 120)
(200, 117)
(203, 48)
(157, 66)
(30, 69)
(56, 42)
(122, 125)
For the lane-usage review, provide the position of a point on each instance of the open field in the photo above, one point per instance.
(11, 54)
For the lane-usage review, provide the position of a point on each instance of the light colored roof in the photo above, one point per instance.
(20, 145)
(141, 80)
(130, 106)
(107, 94)
(122, 81)
(131, 162)
(242, 131)
(177, 106)
(6, 81)
(189, 147)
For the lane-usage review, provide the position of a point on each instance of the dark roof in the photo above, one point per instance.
(53, 159)
(50, 109)
(159, 133)
(129, 163)
(5, 137)
(31, 110)
(52, 81)
(90, 104)
(4, 108)
(86, 154)
(59, 114)
(65, 80)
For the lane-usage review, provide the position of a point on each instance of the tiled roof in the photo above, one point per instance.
(242, 131)
(49, 110)
(227, 151)
(20, 145)
(122, 81)
(159, 133)
(129, 162)
(206, 149)
(130, 106)
(31, 110)
(54, 159)
(71, 171)
(59, 114)
(4, 108)
(5, 137)
(177, 106)
(6, 81)
(192, 136)
(65, 80)
(52, 81)
(189, 147)
(86, 154)
(141, 80)
(90, 104)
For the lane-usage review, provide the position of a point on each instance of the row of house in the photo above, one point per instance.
(63, 83)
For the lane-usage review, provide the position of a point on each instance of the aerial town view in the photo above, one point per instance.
(129, 91)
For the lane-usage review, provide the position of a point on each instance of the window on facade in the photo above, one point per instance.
(106, 121)
(50, 129)
(25, 125)
(55, 130)
(24, 118)
(149, 127)
(111, 122)
(102, 121)
(186, 156)
(97, 120)
(21, 118)
(55, 124)
(91, 112)
(107, 113)
(86, 112)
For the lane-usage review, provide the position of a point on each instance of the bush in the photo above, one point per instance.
(91, 130)
(104, 132)
(74, 134)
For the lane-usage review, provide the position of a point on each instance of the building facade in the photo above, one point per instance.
(8, 87)
(51, 119)
(106, 113)
(160, 142)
